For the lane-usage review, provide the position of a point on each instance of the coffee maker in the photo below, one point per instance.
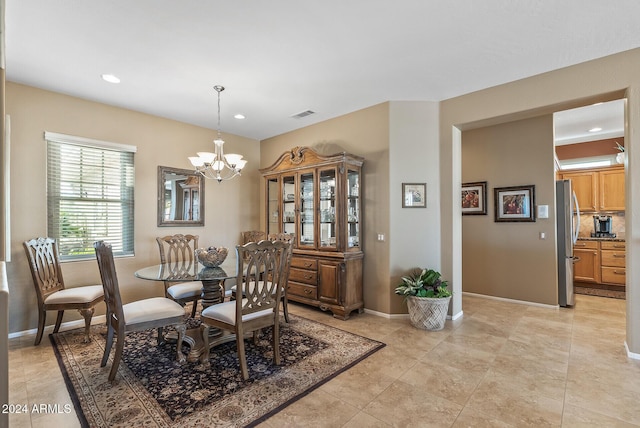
(602, 227)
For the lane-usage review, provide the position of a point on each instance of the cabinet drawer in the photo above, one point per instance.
(303, 290)
(613, 258)
(613, 245)
(304, 276)
(592, 245)
(612, 275)
(304, 263)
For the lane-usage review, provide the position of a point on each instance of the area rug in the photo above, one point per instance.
(153, 390)
(614, 294)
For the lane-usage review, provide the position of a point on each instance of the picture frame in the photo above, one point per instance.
(514, 204)
(474, 198)
(414, 195)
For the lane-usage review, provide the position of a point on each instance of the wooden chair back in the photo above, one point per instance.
(253, 236)
(44, 263)
(262, 271)
(284, 237)
(178, 249)
(104, 255)
(289, 238)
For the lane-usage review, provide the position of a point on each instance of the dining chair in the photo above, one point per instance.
(253, 236)
(288, 238)
(259, 308)
(178, 253)
(44, 262)
(154, 312)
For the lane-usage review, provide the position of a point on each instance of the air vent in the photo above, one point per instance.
(303, 114)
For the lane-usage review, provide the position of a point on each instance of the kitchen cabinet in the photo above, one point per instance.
(584, 184)
(317, 198)
(600, 262)
(600, 189)
(613, 262)
(587, 267)
(611, 190)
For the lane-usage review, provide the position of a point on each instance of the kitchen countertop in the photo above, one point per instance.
(589, 238)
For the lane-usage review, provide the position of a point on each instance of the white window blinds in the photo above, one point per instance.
(89, 195)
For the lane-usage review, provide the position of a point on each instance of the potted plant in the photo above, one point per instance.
(427, 298)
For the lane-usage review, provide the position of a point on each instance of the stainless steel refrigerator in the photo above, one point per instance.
(568, 218)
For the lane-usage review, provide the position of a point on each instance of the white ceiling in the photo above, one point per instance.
(573, 126)
(281, 57)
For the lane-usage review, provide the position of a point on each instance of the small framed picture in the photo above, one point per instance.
(515, 203)
(474, 198)
(414, 195)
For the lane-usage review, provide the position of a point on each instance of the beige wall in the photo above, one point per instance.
(413, 148)
(364, 133)
(599, 80)
(367, 133)
(230, 207)
(508, 259)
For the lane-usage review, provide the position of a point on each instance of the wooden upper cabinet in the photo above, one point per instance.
(598, 189)
(584, 184)
(611, 190)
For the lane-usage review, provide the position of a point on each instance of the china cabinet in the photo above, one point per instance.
(317, 198)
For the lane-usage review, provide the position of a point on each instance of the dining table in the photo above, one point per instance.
(212, 279)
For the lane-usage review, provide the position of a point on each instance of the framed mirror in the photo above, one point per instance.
(180, 197)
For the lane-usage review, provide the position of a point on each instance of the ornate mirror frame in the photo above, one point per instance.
(180, 197)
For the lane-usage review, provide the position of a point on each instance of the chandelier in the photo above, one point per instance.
(217, 165)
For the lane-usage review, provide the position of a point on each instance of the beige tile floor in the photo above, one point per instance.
(500, 365)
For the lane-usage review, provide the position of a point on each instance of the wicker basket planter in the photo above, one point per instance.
(428, 313)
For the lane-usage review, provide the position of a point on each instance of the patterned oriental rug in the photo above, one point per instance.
(153, 390)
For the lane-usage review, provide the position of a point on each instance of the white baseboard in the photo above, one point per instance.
(630, 354)
(100, 319)
(455, 317)
(387, 316)
(519, 302)
(404, 316)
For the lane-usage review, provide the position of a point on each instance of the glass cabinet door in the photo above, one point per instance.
(288, 205)
(353, 209)
(273, 206)
(327, 201)
(307, 210)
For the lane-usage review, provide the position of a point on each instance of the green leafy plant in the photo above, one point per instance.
(425, 283)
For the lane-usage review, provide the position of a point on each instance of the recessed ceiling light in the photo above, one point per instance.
(239, 116)
(596, 129)
(110, 78)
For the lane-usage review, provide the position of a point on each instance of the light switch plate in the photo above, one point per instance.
(543, 211)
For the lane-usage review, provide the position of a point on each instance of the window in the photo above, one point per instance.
(89, 195)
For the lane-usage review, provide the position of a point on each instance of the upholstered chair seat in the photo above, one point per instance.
(185, 291)
(85, 294)
(151, 309)
(226, 312)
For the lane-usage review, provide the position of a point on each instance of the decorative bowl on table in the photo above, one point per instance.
(212, 256)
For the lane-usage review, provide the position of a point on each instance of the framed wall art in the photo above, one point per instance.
(414, 195)
(514, 203)
(474, 198)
